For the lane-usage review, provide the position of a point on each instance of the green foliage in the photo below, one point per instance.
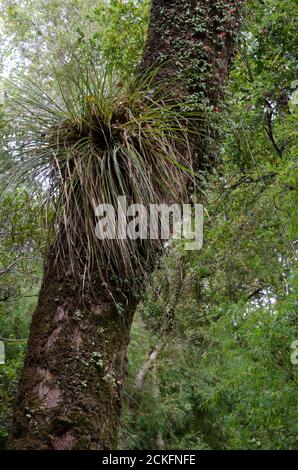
(37, 34)
(15, 318)
(121, 34)
(22, 242)
(92, 143)
(226, 378)
(225, 375)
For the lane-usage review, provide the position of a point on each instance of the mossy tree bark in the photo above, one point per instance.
(70, 391)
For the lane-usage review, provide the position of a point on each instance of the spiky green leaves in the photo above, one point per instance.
(89, 143)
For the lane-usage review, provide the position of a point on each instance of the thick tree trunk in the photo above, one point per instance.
(194, 40)
(70, 391)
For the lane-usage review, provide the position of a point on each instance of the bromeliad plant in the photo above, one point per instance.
(92, 141)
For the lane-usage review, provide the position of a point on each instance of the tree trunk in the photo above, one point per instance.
(166, 328)
(70, 392)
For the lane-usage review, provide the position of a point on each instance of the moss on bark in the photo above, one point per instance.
(70, 391)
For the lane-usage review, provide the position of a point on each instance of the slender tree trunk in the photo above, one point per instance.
(70, 392)
(166, 328)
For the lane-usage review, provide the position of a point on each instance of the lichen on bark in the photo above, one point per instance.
(70, 391)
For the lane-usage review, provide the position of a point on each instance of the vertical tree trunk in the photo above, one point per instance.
(70, 392)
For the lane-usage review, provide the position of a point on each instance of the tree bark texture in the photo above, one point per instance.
(70, 391)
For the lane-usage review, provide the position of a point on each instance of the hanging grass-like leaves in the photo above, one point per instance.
(94, 141)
